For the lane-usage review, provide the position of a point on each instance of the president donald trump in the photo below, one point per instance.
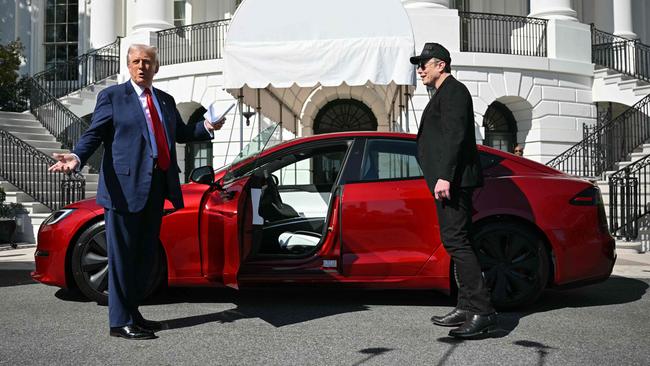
(138, 126)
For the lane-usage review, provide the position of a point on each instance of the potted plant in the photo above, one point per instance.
(8, 213)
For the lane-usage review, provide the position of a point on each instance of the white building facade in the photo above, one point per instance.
(539, 92)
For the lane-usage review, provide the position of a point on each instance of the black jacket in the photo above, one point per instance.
(446, 142)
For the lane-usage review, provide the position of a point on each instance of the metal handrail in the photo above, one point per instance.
(64, 125)
(629, 196)
(504, 34)
(26, 168)
(194, 42)
(627, 56)
(608, 143)
(81, 71)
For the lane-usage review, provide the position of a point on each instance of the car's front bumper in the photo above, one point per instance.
(54, 242)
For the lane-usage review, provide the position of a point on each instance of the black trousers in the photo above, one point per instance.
(455, 219)
(132, 239)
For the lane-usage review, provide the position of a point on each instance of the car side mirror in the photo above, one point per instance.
(202, 175)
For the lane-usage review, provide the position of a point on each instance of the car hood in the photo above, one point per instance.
(91, 204)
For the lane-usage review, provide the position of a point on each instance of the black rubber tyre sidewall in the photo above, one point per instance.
(80, 280)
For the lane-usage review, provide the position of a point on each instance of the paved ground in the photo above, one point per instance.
(606, 324)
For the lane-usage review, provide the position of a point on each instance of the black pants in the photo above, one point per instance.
(455, 219)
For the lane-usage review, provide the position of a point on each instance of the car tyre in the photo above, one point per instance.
(89, 265)
(514, 262)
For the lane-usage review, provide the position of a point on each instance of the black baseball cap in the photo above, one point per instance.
(432, 50)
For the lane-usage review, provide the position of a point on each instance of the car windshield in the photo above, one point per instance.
(266, 138)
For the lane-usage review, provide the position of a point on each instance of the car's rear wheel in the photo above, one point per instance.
(89, 265)
(514, 262)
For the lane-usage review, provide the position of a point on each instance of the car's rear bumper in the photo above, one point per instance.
(582, 256)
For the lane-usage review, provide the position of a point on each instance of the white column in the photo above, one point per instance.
(103, 15)
(552, 9)
(151, 16)
(411, 4)
(623, 19)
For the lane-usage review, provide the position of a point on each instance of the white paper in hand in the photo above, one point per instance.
(213, 115)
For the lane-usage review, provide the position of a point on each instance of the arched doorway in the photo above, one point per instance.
(344, 115)
(197, 153)
(500, 127)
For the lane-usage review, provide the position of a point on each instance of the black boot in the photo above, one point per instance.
(476, 325)
(455, 318)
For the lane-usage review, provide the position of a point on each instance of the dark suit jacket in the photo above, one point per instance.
(446, 142)
(120, 124)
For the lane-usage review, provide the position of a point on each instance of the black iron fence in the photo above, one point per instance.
(64, 125)
(79, 72)
(608, 143)
(195, 42)
(629, 196)
(624, 55)
(26, 167)
(505, 34)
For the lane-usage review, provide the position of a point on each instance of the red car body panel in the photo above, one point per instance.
(394, 245)
(207, 244)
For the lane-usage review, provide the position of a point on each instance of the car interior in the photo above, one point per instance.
(290, 201)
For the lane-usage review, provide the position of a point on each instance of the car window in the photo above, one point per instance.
(316, 165)
(390, 159)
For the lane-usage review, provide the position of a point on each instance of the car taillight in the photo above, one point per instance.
(592, 197)
(588, 197)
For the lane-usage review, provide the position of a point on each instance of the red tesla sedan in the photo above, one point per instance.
(352, 209)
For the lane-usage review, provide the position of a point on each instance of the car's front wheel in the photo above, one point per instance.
(514, 262)
(89, 265)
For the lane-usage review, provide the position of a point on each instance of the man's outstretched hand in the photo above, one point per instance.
(66, 163)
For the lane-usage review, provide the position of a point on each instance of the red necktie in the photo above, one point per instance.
(159, 133)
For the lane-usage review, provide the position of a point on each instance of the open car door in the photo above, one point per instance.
(220, 222)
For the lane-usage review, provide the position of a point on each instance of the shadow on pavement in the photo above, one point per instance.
(281, 306)
(15, 277)
(615, 290)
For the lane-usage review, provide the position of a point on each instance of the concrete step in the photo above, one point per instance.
(28, 129)
(602, 72)
(16, 115)
(8, 187)
(8, 124)
(36, 208)
(623, 246)
(642, 90)
(26, 136)
(613, 78)
(70, 100)
(628, 84)
(44, 144)
(22, 197)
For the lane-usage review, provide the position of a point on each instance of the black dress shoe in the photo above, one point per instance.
(476, 325)
(132, 332)
(455, 318)
(150, 325)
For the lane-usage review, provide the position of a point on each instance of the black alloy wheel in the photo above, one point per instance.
(89, 265)
(514, 262)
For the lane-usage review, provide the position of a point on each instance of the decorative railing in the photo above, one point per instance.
(505, 34)
(195, 42)
(627, 56)
(26, 168)
(629, 196)
(79, 72)
(64, 125)
(608, 143)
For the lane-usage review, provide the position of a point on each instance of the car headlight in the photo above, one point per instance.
(57, 216)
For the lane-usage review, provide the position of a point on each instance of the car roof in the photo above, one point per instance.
(406, 136)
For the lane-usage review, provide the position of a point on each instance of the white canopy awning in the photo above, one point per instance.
(286, 48)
